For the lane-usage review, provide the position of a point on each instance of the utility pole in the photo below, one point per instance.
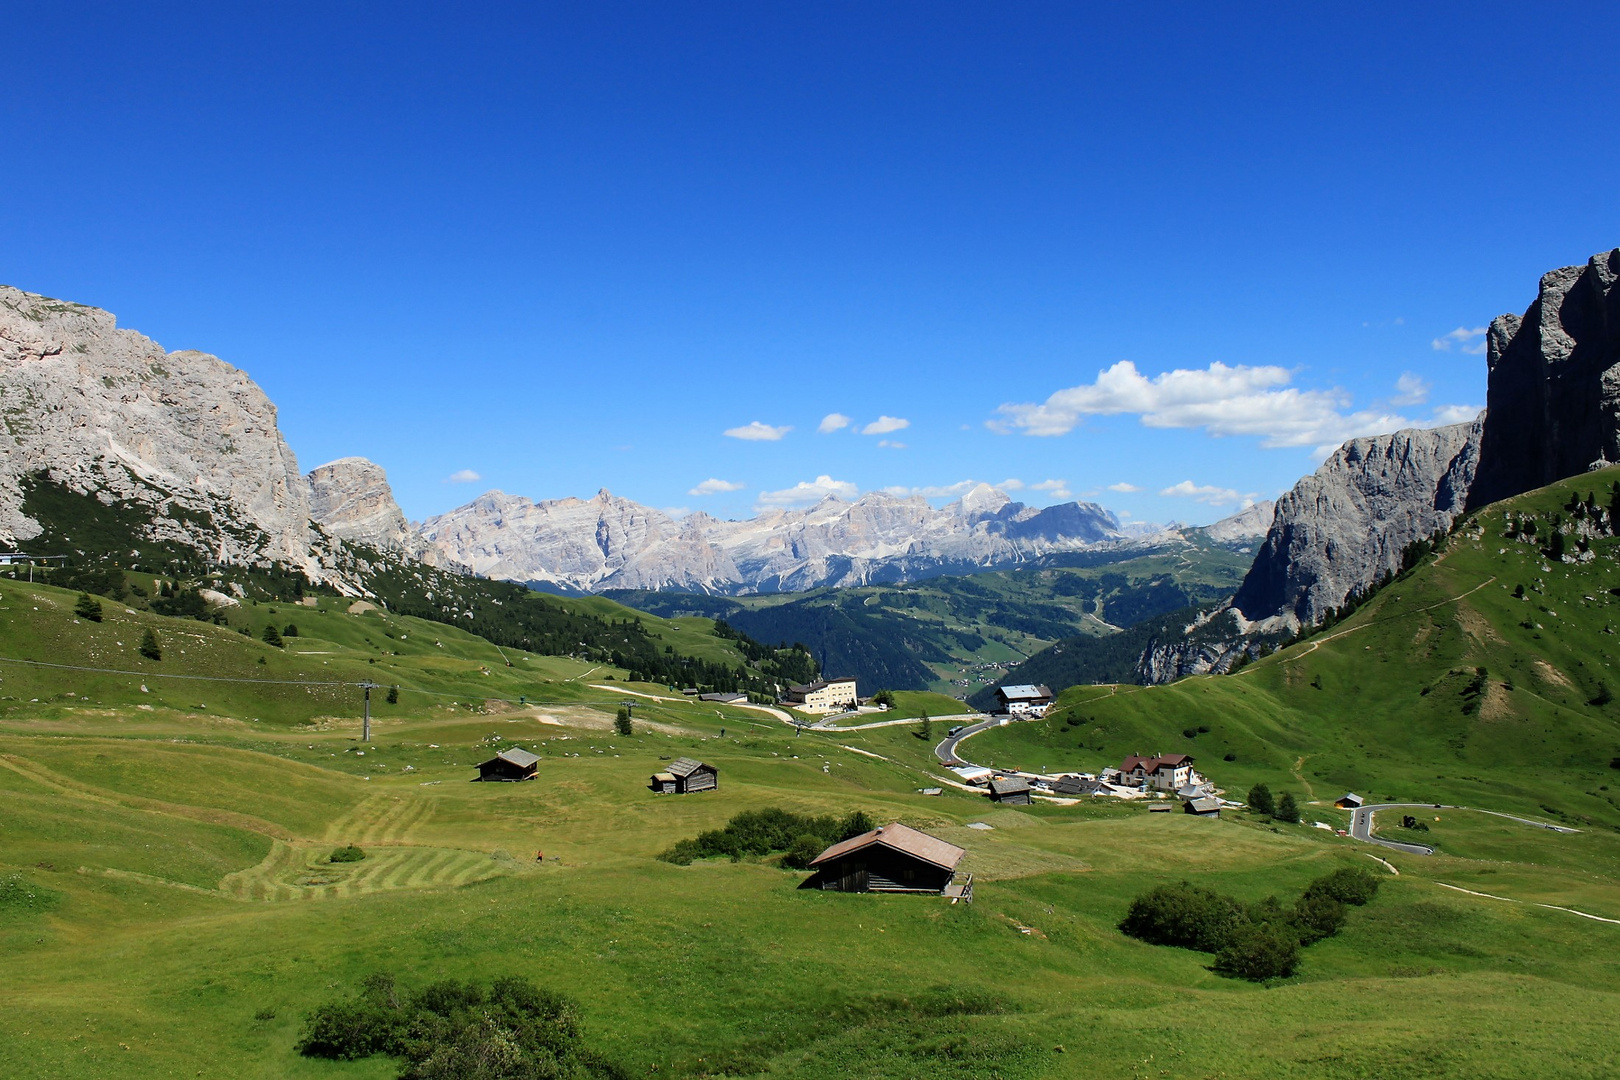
(365, 724)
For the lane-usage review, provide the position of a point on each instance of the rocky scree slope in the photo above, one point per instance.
(590, 545)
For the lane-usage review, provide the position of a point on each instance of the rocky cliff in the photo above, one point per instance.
(1553, 402)
(104, 411)
(612, 543)
(1345, 525)
(350, 499)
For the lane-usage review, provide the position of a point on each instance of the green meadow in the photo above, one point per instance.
(169, 906)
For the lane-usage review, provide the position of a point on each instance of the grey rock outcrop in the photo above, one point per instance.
(608, 542)
(1250, 523)
(1344, 526)
(1554, 394)
(108, 412)
(350, 499)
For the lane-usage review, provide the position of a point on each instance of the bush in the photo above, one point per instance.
(1351, 885)
(1183, 915)
(764, 832)
(450, 1030)
(350, 853)
(149, 646)
(804, 849)
(1261, 801)
(271, 636)
(1258, 953)
(87, 607)
(1317, 916)
(290, 630)
(393, 695)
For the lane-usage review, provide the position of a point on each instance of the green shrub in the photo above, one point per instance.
(87, 607)
(450, 1030)
(1258, 953)
(348, 853)
(290, 630)
(1350, 885)
(1317, 916)
(1183, 915)
(271, 635)
(764, 832)
(803, 850)
(149, 646)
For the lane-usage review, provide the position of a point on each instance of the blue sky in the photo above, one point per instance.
(565, 247)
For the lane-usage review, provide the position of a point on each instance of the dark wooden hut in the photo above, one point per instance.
(1204, 806)
(893, 858)
(686, 775)
(510, 764)
(1013, 790)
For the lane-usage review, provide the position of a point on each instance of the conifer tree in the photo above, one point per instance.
(88, 607)
(1287, 809)
(149, 647)
(272, 636)
(1261, 800)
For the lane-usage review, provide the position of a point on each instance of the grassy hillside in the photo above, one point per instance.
(955, 634)
(1485, 676)
(176, 911)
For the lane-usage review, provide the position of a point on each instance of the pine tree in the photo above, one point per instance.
(1287, 809)
(393, 695)
(925, 726)
(272, 636)
(88, 607)
(149, 647)
(1261, 801)
(290, 630)
(621, 722)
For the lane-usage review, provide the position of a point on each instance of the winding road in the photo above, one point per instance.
(1361, 824)
(946, 750)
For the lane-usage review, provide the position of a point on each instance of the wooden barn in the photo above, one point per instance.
(1203, 806)
(1013, 790)
(686, 775)
(510, 764)
(893, 858)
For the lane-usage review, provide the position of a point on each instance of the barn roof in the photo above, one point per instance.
(664, 777)
(1207, 805)
(919, 845)
(685, 766)
(516, 755)
(1009, 786)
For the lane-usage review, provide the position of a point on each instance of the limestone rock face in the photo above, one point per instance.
(1554, 396)
(108, 411)
(1250, 523)
(612, 543)
(1344, 526)
(350, 499)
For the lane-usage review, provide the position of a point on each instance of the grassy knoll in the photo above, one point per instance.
(1485, 677)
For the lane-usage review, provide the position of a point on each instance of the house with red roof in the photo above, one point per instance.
(1165, 772)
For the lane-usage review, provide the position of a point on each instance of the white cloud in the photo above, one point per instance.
(1452, 414)
(758, 432)
(1012, 483)
(833, 421)
(1223, 400)
(885, 424)
(1058, 489)
(1410, 390)
(712, 486)
(891, 444)
(936, 491)
(463, 476)
(808, 491)
(1124, 488)
(1206, 493)
(1463, 339)
(677, 512)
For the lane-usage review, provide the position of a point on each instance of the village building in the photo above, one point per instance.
(1013, 790)
(893, 858)
(823, 694)
(724, 699)
(1349, 801)
(1204, 806)
(512, 763)
(1024, 699)
(1168, 772)
(684, 776)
